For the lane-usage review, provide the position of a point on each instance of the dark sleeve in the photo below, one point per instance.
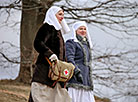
(43, 35)
(70, 52)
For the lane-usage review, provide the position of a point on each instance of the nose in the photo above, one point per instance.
(62, 16)
(83, 30)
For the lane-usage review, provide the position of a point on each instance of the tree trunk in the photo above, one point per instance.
(32, 18)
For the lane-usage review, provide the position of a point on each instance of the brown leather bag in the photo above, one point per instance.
(60, 70)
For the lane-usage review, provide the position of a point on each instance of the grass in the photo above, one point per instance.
(11, 91)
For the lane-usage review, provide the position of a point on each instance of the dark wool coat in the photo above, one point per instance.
(48, 41)
(79, 54)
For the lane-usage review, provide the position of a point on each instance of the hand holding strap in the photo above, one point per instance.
(53, 57)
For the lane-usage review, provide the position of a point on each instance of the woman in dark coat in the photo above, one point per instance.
(78, 52)
(49, 44)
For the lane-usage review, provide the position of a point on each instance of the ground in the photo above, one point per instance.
(18, 92)
(14, 92)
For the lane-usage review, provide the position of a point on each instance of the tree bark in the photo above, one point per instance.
(31, 19)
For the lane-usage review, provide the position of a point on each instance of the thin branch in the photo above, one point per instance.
(9, 60)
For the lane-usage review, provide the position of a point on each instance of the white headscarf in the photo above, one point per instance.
(76, 26)
(52, 20)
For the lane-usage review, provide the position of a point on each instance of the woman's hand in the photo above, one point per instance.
(53, 57)
(78, 75)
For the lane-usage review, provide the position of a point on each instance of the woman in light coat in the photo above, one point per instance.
(78, 52)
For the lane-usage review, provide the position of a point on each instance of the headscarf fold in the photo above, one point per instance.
(76, 26)
(52, 20)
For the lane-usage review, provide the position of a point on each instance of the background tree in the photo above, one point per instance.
(114, 68)
(33, 13)
(32, 17)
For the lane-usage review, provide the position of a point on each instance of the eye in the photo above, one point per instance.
(81, 28)
(61, 14)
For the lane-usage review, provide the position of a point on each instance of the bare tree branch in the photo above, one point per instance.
(9, 60)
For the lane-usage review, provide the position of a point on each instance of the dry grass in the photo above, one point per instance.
(14, 92)
(11, 91)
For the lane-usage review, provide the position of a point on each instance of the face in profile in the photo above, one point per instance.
(81, 31)
(60, 15)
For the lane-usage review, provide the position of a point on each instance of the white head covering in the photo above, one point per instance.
(52, 20)
(76, 26)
